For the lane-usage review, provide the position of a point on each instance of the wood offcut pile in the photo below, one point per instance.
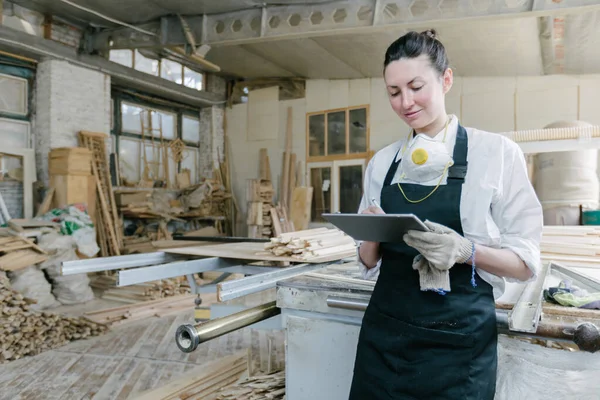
(259, 197)
(204, 382)
(24, 332)
(578, 246)
(139, 292)
(312, 243)
(155, 308)
(223, 379)
(207, 199)
(17, 252)
(264, 387)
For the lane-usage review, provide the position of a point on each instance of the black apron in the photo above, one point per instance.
(417, 344)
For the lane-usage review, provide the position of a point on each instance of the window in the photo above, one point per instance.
(338, 134)
(13, 95)
(193, 79)
(123, 57)
(16, 78)
(191, 129)
(167, 69)
(144, 64)
(337, 186)
(150, 138)
(337, 153)
(171, 71)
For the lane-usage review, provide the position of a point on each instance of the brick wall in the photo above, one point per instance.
(69, 99)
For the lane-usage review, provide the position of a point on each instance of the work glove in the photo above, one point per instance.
(431, 278)
(441, 246)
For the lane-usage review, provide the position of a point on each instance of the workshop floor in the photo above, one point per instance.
(125, 362)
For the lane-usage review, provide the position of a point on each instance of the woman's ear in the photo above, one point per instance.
(447, 80)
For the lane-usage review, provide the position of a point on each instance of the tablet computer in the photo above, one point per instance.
(384, 228)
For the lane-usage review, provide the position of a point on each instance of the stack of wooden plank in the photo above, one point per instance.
(24, 332)
(140, 292)
(147, 309)
(312, 243)
(264, 387)
(259, 197)
(18, 252)
(577, 246)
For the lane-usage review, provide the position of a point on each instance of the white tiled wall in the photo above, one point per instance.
(493, 104)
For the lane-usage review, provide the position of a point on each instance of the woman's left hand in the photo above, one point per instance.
(441, 246)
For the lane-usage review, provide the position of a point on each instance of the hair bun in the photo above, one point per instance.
(430, 33)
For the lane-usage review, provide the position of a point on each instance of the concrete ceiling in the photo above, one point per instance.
(482, 37)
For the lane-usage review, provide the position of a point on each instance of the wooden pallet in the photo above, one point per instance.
(109, 227)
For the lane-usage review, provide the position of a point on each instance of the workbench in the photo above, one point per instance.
(322, 319)
(321, 306)
(322, 326)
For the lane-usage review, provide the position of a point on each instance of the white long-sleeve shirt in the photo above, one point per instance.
(498, 206)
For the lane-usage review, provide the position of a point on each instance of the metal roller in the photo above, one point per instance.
(188, 336)
(585, 335)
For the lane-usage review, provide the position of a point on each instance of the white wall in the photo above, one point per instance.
(493, 104)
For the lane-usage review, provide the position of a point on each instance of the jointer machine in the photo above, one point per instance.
(321, 306)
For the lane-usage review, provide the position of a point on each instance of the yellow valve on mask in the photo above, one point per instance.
(419, 156)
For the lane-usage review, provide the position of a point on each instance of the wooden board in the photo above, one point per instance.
(249, 251)
(300, 207)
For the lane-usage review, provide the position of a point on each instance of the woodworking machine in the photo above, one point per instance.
(321, 308)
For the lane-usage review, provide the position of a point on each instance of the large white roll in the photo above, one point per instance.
(567, 179)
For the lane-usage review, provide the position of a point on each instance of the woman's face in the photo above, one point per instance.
(416, 91)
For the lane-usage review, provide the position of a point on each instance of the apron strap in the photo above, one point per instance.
(458, 171)
(392, 170)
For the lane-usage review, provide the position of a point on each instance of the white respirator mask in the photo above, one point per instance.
(425, 159)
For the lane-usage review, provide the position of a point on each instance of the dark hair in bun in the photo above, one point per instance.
(414, 44)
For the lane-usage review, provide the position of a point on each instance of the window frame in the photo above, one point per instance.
(160, 69)
(347, 155)
(118, 98)
(334, 166)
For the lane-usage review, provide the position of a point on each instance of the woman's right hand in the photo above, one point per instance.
(373, 210)
(369, 251)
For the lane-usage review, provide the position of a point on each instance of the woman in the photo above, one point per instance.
(429, 331)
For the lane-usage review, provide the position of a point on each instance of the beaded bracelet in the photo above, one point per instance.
(472, 258)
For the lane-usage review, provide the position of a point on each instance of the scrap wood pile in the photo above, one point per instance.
(17, 252)
(264, 387)
(204, 382)
(223, 379)
(262, 217)
(209, 198)
(577, 246)
(155, 308)
(312, 243)
(24, 332)
(205, 199)
(139, 292)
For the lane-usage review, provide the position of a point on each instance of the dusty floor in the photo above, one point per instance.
(122, 364)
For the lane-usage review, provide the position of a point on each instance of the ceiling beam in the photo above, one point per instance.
(38, 48)
(332, 18)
